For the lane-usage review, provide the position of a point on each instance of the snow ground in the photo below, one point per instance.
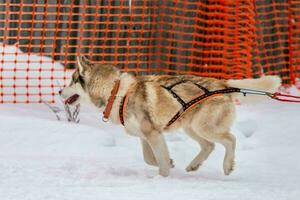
(44, 159)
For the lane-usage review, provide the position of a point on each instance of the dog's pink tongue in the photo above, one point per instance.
(72, 99)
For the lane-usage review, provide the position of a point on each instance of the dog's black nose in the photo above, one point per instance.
(59, 92)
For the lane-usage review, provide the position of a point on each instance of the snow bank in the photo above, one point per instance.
(22, 73)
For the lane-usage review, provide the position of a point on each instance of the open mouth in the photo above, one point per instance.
(72, 99)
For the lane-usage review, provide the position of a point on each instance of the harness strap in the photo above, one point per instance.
(176, 96)
(198, 100)
(207, 94)
(285, 97)
(185, 106)
(179, 99)
(170, 87)
(122, 108)
(123, 104)
(201, 87)
(195, 101)
(174, 84)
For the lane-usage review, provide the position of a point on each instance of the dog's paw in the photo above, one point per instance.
(154, 163)
(192, 167)
(171, 163)
(228, 168)
(164, 172)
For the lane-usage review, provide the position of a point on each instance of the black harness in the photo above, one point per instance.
(185, 105)
(122, 109)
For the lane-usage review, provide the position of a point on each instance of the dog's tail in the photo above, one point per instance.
(267, 83)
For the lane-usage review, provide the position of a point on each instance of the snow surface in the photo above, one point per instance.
(42, 158)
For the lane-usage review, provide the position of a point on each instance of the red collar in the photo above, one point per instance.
(111, 100)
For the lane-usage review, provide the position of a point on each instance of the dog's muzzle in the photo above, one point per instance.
(72, 99)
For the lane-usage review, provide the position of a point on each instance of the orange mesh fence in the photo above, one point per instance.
(278, 35)
(294, 30)
(40, 40)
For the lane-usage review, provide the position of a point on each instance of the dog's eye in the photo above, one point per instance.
(77, 78)
(80, 80)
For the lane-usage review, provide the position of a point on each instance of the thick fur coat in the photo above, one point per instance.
(150, 107)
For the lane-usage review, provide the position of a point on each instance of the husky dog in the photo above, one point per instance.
(150, 106)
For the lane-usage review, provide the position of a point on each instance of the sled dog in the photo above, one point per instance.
(150, 105)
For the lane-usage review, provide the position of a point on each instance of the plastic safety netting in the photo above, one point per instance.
(236, 39)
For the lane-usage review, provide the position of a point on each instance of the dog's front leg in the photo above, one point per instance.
(160, 151)
(149, 157)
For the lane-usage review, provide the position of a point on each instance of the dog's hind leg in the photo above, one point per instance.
(160, 151)
(213, 124)
(206, 148)
(228, 141)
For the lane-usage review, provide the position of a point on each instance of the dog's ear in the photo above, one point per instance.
(83, 64)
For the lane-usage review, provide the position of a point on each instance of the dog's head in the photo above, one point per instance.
(90, 83)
